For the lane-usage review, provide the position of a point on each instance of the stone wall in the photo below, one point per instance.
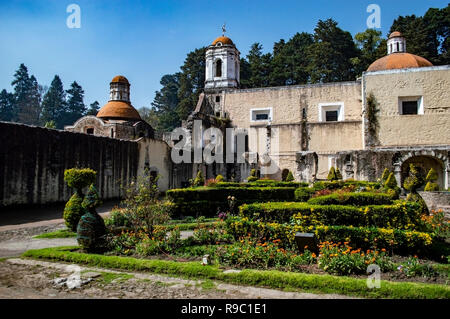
(33, 160)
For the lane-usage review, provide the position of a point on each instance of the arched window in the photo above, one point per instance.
(398, 46)
(219, 68)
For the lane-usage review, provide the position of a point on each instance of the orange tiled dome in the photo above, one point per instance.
(223, 40)
(120, 78)
(119, 110)
(399, 61)
(395, 34)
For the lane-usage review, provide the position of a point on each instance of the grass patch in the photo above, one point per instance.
(262, 278)
(108, 277)
(208, 284)
(62, 233)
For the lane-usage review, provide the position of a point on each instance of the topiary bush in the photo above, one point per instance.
(289, 177)
(91, 228)
(338, 174)
(199, 180)
(355, 199)
(385, 175)
(253, 176)
(332, 174)
(390, 186)
(431, 178)
(73, 211)
(79, 178)
(414, 180)
(219, 178)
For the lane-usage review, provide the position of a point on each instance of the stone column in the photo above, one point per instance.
(398, 174)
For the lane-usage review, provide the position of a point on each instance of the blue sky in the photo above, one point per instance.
(144, 40)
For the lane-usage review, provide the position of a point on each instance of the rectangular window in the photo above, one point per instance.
(331, 112)
(260, 114)
(331, 116)
(410, 105)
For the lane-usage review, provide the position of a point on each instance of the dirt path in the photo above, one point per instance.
(20, 278)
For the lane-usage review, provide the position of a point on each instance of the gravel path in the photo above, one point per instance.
(21, 278)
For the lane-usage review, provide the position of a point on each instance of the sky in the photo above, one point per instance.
(144, 40)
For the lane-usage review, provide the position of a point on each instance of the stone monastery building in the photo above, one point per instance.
(307, 128)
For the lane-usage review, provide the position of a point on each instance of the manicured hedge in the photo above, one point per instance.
(261, 183)
(400, 241)
(206, 201)
(339, 184)
(356, 199)
(303, 194)
(402, 214)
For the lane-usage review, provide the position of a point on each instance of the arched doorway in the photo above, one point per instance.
(424, 163)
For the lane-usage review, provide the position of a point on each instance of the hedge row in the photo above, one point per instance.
(402, 214)
(400, 241)
(261, 183)
(339, 184)
(356, 199)
(185, 195)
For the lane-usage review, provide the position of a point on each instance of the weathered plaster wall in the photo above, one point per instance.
(155, 154)
(33, 160)
(432, 84)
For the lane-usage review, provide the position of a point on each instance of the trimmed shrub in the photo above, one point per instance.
(356, 199)
(261, 183)
(339, 184)
(303, 194)
(73, 211)
(431, 178)
(414, 180)
(253, 176)
(399, 215)
(199, 180)
(332, 174)
(219, 178)
(385, 175)
(79, 178)
(400, 241)
(338, 174)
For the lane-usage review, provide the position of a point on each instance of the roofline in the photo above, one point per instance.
(407, 70)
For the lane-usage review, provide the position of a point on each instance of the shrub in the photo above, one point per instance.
(331, 185)
(73, 211)
(385, 175)
(118, 218)
(414, 179)
(219, 178)
(399, 215)
(253, 176)
(199, 180)
(261, 183)
(332, 174)
(401, 241)
(338, 174)
(431, 178)
(91, 230)
(356, 199)
(79, 178)
(303, 194)
(210, 182)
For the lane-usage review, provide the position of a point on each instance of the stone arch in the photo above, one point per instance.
(424, 160)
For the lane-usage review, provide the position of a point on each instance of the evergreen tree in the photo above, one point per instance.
(29, 112)
(191, 82)
(22, 88)
(289, 65)
(7, 106)
(259, 66)
(54, 103)
(93, 108)
(165, 103)
(244, 74)
(372, 47)
(331, 54)
(75, 107)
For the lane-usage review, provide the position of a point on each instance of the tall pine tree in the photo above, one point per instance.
(75, 107)
(54, 103)
(93, 108)
(259, 67)
(165, 103)
(7, 106)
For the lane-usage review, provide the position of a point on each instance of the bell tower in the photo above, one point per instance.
(222, 64)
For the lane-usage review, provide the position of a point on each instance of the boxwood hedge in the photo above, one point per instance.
(356, 199)
(401, 214)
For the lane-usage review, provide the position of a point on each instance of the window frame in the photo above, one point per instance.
(418, 99)
(255, 111)
(331, 106)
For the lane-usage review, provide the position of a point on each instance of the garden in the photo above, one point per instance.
(250, 233)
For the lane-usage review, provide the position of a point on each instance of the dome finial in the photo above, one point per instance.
(224, 29)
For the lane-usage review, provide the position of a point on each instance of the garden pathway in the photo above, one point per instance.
(22, 278)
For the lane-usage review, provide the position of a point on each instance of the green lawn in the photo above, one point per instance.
(262, 278)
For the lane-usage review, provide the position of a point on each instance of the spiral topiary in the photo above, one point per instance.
(252, 176)
(91, 228)
(385, 175)
(431, 178)
(332, 174)
(199, 180)
(338, 174)
(289, 177)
